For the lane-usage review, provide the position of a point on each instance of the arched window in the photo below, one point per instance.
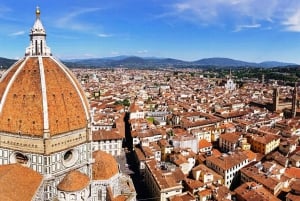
(73, 197)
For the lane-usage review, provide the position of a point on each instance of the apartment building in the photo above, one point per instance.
(263, 144)
(263, 175)
(227, 165)
(163, 181)
(108, 141)
(251, 190)
(229, 141)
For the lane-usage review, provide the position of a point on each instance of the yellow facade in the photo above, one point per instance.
(264, 148)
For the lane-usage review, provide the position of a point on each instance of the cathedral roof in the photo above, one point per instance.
(74, 181)
(18, 182)
(105, 166)
(39, 95)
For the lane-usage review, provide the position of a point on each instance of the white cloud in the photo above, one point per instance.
(103, 35)
(142, 51)
(115, 53)
(233, 13)
(292, 22)
(247, 26)
(4, 10)
(70, 20)
(18, 33)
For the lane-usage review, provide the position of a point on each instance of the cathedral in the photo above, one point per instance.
(45, 135)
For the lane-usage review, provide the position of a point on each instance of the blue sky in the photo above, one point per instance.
(249, 30)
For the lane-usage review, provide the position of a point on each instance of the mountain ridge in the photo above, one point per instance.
(136, 61)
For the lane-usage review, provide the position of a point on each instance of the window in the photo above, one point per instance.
(19, 158)
(70, 157)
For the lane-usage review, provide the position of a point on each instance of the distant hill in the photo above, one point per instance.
(128, 61)
(223, 62)
(6, 63)
(154, 62)
(276, 64)
(226, 62)
(134, 61)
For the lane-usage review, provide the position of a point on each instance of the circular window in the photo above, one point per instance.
(20, 158)
(70, 157)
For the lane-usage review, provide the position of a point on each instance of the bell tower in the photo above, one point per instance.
(294, 101)
(275, 98)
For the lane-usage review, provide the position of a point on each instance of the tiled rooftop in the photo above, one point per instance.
(18, 183)
(22, 111)
(74, 181)
(105, 166)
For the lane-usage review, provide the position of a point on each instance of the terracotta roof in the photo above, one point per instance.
(231, 137)
(134, 108)
(120, 198)
(165, 180)
(264, 139)
(183, 197)
(252, 191)
(295, 185)
(293, 172)
(23, 103)
(105, 166)
(222, 193)
(74, 181)
(106, 135)
(18, 182)
(204, 143)
(226, 162)
(193, 184)
(256, 175)
(250, 154)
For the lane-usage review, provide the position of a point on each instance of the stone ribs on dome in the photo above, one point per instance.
(39, 96)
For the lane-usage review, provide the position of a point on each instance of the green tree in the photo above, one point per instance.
(126, 102)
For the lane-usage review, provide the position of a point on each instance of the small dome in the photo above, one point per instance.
(18, 182)
(105, 166)
(74, 181)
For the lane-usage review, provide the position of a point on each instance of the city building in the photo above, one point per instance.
(230, 141)
(263, 144)
(163, 181)
(228, 165)
(253, 191)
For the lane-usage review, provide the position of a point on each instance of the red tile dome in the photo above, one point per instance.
(74, 181)
(39, 94)
(105, 166)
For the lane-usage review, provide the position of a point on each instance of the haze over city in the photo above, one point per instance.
(247, 30)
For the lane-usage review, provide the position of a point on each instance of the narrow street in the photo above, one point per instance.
(138, 181)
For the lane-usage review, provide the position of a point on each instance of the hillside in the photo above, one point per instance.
(5, 63)
(154, 62)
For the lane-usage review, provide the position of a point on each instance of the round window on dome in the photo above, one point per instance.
(70, 157)
(20, 158)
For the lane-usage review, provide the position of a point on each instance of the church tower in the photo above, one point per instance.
(275, 98)
(294, 101)
(230, 85)
(44, 117)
